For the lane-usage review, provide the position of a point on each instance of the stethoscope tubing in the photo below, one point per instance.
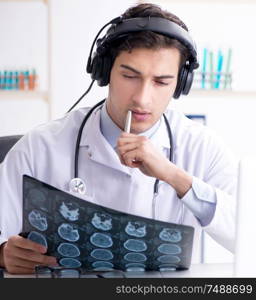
(79, 135)
(78, 140)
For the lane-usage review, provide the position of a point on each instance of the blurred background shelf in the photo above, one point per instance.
(25, 46)
(229, 94)
(25, 95)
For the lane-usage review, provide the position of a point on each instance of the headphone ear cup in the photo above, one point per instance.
(105, 71)
(180, 83)
(89, 66)
(185, 81)
(96, 67)
(188, 83)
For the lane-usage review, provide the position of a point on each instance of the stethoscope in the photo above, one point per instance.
(77, 185)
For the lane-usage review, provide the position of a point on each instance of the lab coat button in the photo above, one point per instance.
(90, 154)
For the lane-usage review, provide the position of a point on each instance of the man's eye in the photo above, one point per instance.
(161, 82)
(129, 76)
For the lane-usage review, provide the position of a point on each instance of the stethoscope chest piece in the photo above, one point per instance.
(77, 185)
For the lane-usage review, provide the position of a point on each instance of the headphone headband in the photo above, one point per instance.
(100, 63)
(155, 24)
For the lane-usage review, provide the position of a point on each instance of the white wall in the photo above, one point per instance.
(216, 24)
(24, 44)
(232, 118)
(74, 25)
(23, 33)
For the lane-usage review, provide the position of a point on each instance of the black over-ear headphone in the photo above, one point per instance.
(100, 63)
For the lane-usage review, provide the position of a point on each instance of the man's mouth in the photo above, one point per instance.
(140, 115)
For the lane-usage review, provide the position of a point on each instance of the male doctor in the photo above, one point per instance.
(196, 188)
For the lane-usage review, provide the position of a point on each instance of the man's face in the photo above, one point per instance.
(142, 81)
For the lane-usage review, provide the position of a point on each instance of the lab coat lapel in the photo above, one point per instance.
(99, 150)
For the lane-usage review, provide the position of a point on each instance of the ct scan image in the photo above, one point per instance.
(96, 238)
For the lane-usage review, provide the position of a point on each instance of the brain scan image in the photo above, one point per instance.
(37, 220)
(135, 267)
(135, 245)
(69, 250)
(167, 267)
(168, 259)
(135, 229)
(69, 212)
(135, 257)
(102, 254)
(81, 233)
(169, 249)
(70, 262)
(38, 197)
(37, 238)
(170, 235)
(102, 265)
(102, 221)
(101, 240)
(68, 232)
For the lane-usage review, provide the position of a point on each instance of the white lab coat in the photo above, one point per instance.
(47, 153)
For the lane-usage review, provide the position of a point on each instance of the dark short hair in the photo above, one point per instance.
(149, 39)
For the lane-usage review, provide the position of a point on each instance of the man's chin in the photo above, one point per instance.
(140, 129)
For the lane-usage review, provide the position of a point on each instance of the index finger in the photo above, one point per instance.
(25, 243)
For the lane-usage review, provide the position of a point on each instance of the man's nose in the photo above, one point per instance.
(143, 94)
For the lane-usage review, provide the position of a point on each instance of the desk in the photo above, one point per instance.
(196, 270)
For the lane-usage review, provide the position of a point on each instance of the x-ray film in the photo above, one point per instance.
(82, 234)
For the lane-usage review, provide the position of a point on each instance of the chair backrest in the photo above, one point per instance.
(6, 143)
